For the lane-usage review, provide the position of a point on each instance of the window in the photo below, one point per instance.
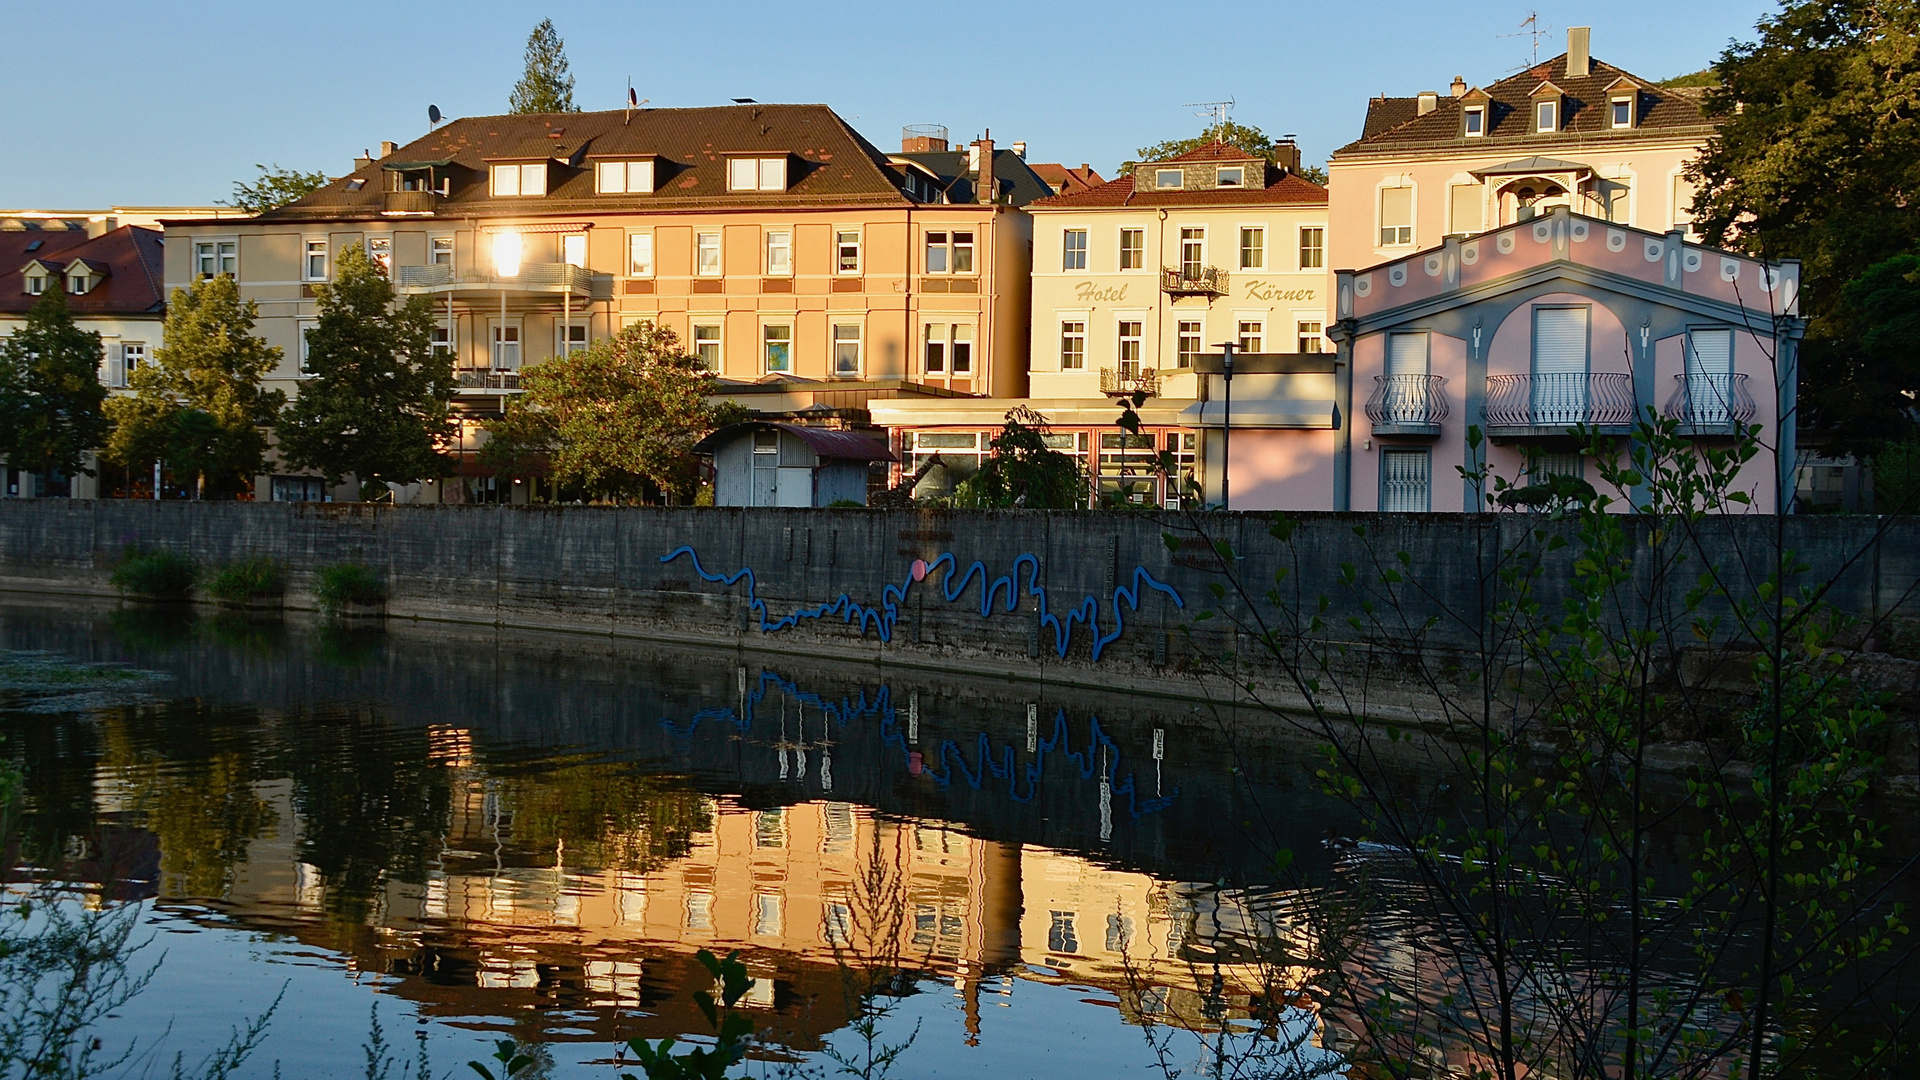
(1073, 249)
(1709, 377)
(1167, 178)
(962, 349)
(1396, 216)
(948, 349)
(1073, 345)
(706, 254)
(846, 350)
(573, 249)
(1623, 112)
(1559, 382)
(640, 254)
(1232, 176)
(1406, 480)
(1682, 202)
(1187, 342)
(1193, 252)
(1253, 249)
(963, 253)
(699, 909)
(380, 251)
(316, 266)
(1407, 354)
(936, 262)
(777, 347)
(133, 355)
(440, 251)
(846, 251)
(623, 177)
(1133, 249)
(1060, 935)
(77, 283)
(779, 253)
(1129, 354)
(529, 178)
(441, 340)
(305, 347)
(570, 338)
(36, 284)
(1313, 247)
(1547, 464)
(706, 345)
(1463, 208)
(769, 826)
(757, 174)
(506, 345)
(1252, 335)
(1546, 116)
(949, 253)
(1474, 120)
(766, 914)
(1308, 336)
(1119, 933)
(217, 257)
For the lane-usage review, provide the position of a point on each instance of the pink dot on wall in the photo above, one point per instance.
(919, 569)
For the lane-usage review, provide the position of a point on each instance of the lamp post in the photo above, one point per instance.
(1226, 427)
(506, 264)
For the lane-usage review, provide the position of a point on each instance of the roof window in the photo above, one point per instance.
(757, 174)
(1473, 121)
(36, 284)
(623, 177)
(525, 178)
(1230, 176)
(1169, 178)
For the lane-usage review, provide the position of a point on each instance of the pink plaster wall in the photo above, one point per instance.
(1447, 358)
(1511, 352)
(1282, 469)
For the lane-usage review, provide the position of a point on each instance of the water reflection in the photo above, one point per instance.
(544, 832)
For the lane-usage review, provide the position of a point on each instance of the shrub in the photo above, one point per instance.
(249, 579)
(157, 574)
(340, 584)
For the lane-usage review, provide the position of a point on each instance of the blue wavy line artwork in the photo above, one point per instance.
(884, 617)
(971, 765)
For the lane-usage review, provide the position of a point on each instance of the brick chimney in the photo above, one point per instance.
(985, 187)
(1459, 87)
(1286, 154)
(387, 147)
(1579, 51)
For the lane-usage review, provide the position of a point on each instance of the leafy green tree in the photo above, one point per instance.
(275, 187)
(376, 405)
(200, 404)
(1024, 471)
(50, 391)
(546, 87)
(1817, 157)
(1235, 134)
(617, 419)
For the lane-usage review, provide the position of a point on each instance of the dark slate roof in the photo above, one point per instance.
(830, 164)
(1018, 183)
(1279, 188)
(1395, 124)
(132, 285)
(826, 442)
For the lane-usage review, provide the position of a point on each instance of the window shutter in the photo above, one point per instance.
(1396, 207)
(1711, 353)
(639, 177)
(1406, 481)
(1560, 341)
(117, 365)
(1406, 354)
(1465, 200)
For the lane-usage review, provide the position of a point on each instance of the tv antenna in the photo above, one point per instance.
(1530, 28)
(1214, 110)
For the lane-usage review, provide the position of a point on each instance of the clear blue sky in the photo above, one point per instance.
(167, 103)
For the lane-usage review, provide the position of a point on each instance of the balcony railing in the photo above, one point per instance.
(1193, 281)
(544, 277)
(1128, 379)
(1552, 404)
(411, 202)
(1407, 404)
(1714, 403)
(488, 380)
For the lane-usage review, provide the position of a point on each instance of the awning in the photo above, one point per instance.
(1260, 414)
(415, 166)
(1533, 165)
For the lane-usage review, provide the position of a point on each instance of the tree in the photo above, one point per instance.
(50, 390)
(1240, 136)
(1817, 157)
(618, 418)
(275, 187)
(200, 404)
(546, 87)
(1024, 471)
(376, 405)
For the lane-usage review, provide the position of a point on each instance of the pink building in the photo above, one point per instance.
(1538, 326)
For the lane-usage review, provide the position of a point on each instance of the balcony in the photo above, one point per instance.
(1407, 404)
(411, 203)
(1711, 404)
(533, 278)
(1193, 281)
(1128, 380)
(1547, 406)
(482, 380)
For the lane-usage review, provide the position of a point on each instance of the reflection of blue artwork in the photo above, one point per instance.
(886, 616)
(949, 760)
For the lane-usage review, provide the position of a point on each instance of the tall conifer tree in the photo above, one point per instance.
(546, 87)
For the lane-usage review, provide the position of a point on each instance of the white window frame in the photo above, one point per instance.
(221, 252)
(1120, 248)
(497, 344)
(835, 341)
(949, 337)
(1300, 246)
(441, 336)
(439, 245)
(77, 283)
(1160, 179)
(312, 249)
(36, 284)
(580, 326)
(1068, 250)
(623, 177)
(1182, 359)
(128, 365)
(1380, 213)
(1239, 176)
(1410, 452)
(1067, 319)
(768, 341)
(841, 246)
(1469, 129)
(301, 349)
(1300, 324)
(517, 180)
(950, 247)
(1613, 107)
(757, 174)
(719, 248)
(640, 251)
(1546, 116)
(777, 244)
(569, 241)
(379, 251)
(716, 323)
(1137, 338)
(1181, 239)
(1255, 319)
(1259, 249)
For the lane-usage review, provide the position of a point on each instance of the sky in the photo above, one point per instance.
(159, 102)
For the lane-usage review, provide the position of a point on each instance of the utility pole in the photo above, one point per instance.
(1226, 428)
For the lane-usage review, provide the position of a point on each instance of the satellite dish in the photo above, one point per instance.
(433, 114)
(633, 98)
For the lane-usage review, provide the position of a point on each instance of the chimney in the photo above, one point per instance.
(365, 159)
(1020, 150)
(985, 188)
(1429, 101)
(1579, 51)
(1286, 154)
(922, 138)
(1459, 87)
(387, 147)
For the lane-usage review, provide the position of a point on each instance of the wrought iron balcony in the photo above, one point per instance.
(1711, 404)
(1407, 404)
(1549, 405)
(1193, 281)
(1127, 380)
(533, 277)
(410, 203)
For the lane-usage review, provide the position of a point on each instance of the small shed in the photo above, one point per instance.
(766, 463)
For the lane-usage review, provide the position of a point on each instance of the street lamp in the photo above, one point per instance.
(1226, 426)
(506, 264)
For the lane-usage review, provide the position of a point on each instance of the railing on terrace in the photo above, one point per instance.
(1127, 379)
(1407, 404)
(1194, 280)
(1711, 403)
(1550, 404)
(543, 276)
(488, 380)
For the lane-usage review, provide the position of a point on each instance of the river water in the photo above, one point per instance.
(471, 834)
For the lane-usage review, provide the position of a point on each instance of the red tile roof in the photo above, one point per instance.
(132, 285)
(1281, 188)
(1065, 179)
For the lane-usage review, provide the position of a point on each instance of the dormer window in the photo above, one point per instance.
(623, 177)
(757, 174)
(77, 284)
(36, 284)
(1473, 121)
(1169, 178)
(1546, 116)
(526, 178)
(1622, 111)
(1230, 176)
